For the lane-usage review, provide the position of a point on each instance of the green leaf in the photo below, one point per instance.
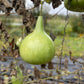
(19, 71)
(16, 81)
(19, 75)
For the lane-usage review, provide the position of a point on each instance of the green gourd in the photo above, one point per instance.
(74, 5)
(37, 47)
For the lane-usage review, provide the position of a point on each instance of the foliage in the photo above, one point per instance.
(57, 24)
(77, 24)
(73, 29)
(17, 80)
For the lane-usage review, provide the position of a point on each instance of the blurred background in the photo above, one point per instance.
(54, 21)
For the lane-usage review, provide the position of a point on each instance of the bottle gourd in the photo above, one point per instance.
(74, 5)
(37, 47)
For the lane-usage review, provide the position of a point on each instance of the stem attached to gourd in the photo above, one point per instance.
(39, 24)
(41, 8)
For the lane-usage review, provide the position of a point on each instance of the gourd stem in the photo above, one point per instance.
(40, 24)
(41, 8)
(23, 32)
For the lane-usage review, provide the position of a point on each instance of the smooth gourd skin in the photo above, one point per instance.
(74, 5)
(38, 47)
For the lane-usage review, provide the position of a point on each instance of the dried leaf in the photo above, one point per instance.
(83, 18)
(11, 45)
(16, 53)
(14, 3)
(56, 3)
(36, 2)
(52, 35)
(2, 28)
(8, 10)
(66, 63)
(70, 53)
(22, 67)
(36, 73)
(4, 51)
(61, 83)
(7, 3)
(6, 6)
(2, 7)
(13, 72)
(12, 65)
(50, 65)
(74, 59)
(44, 82)
(50, 74)
(16, 47)
(3, 59)
(27, 29)
(3, 31)
(19, 6)
(57, 71)
(43, 66)
(0, 80)
(6, 36)
(28, 19)
(31, 77)
(29, 71)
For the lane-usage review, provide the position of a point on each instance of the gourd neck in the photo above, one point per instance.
(39, 25)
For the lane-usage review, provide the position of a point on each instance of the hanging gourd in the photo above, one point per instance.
(38, 47)
(74, 5)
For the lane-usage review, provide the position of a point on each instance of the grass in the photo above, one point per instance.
(73, 44)
(57, 26)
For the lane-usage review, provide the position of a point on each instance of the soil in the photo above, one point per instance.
(67, 65)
